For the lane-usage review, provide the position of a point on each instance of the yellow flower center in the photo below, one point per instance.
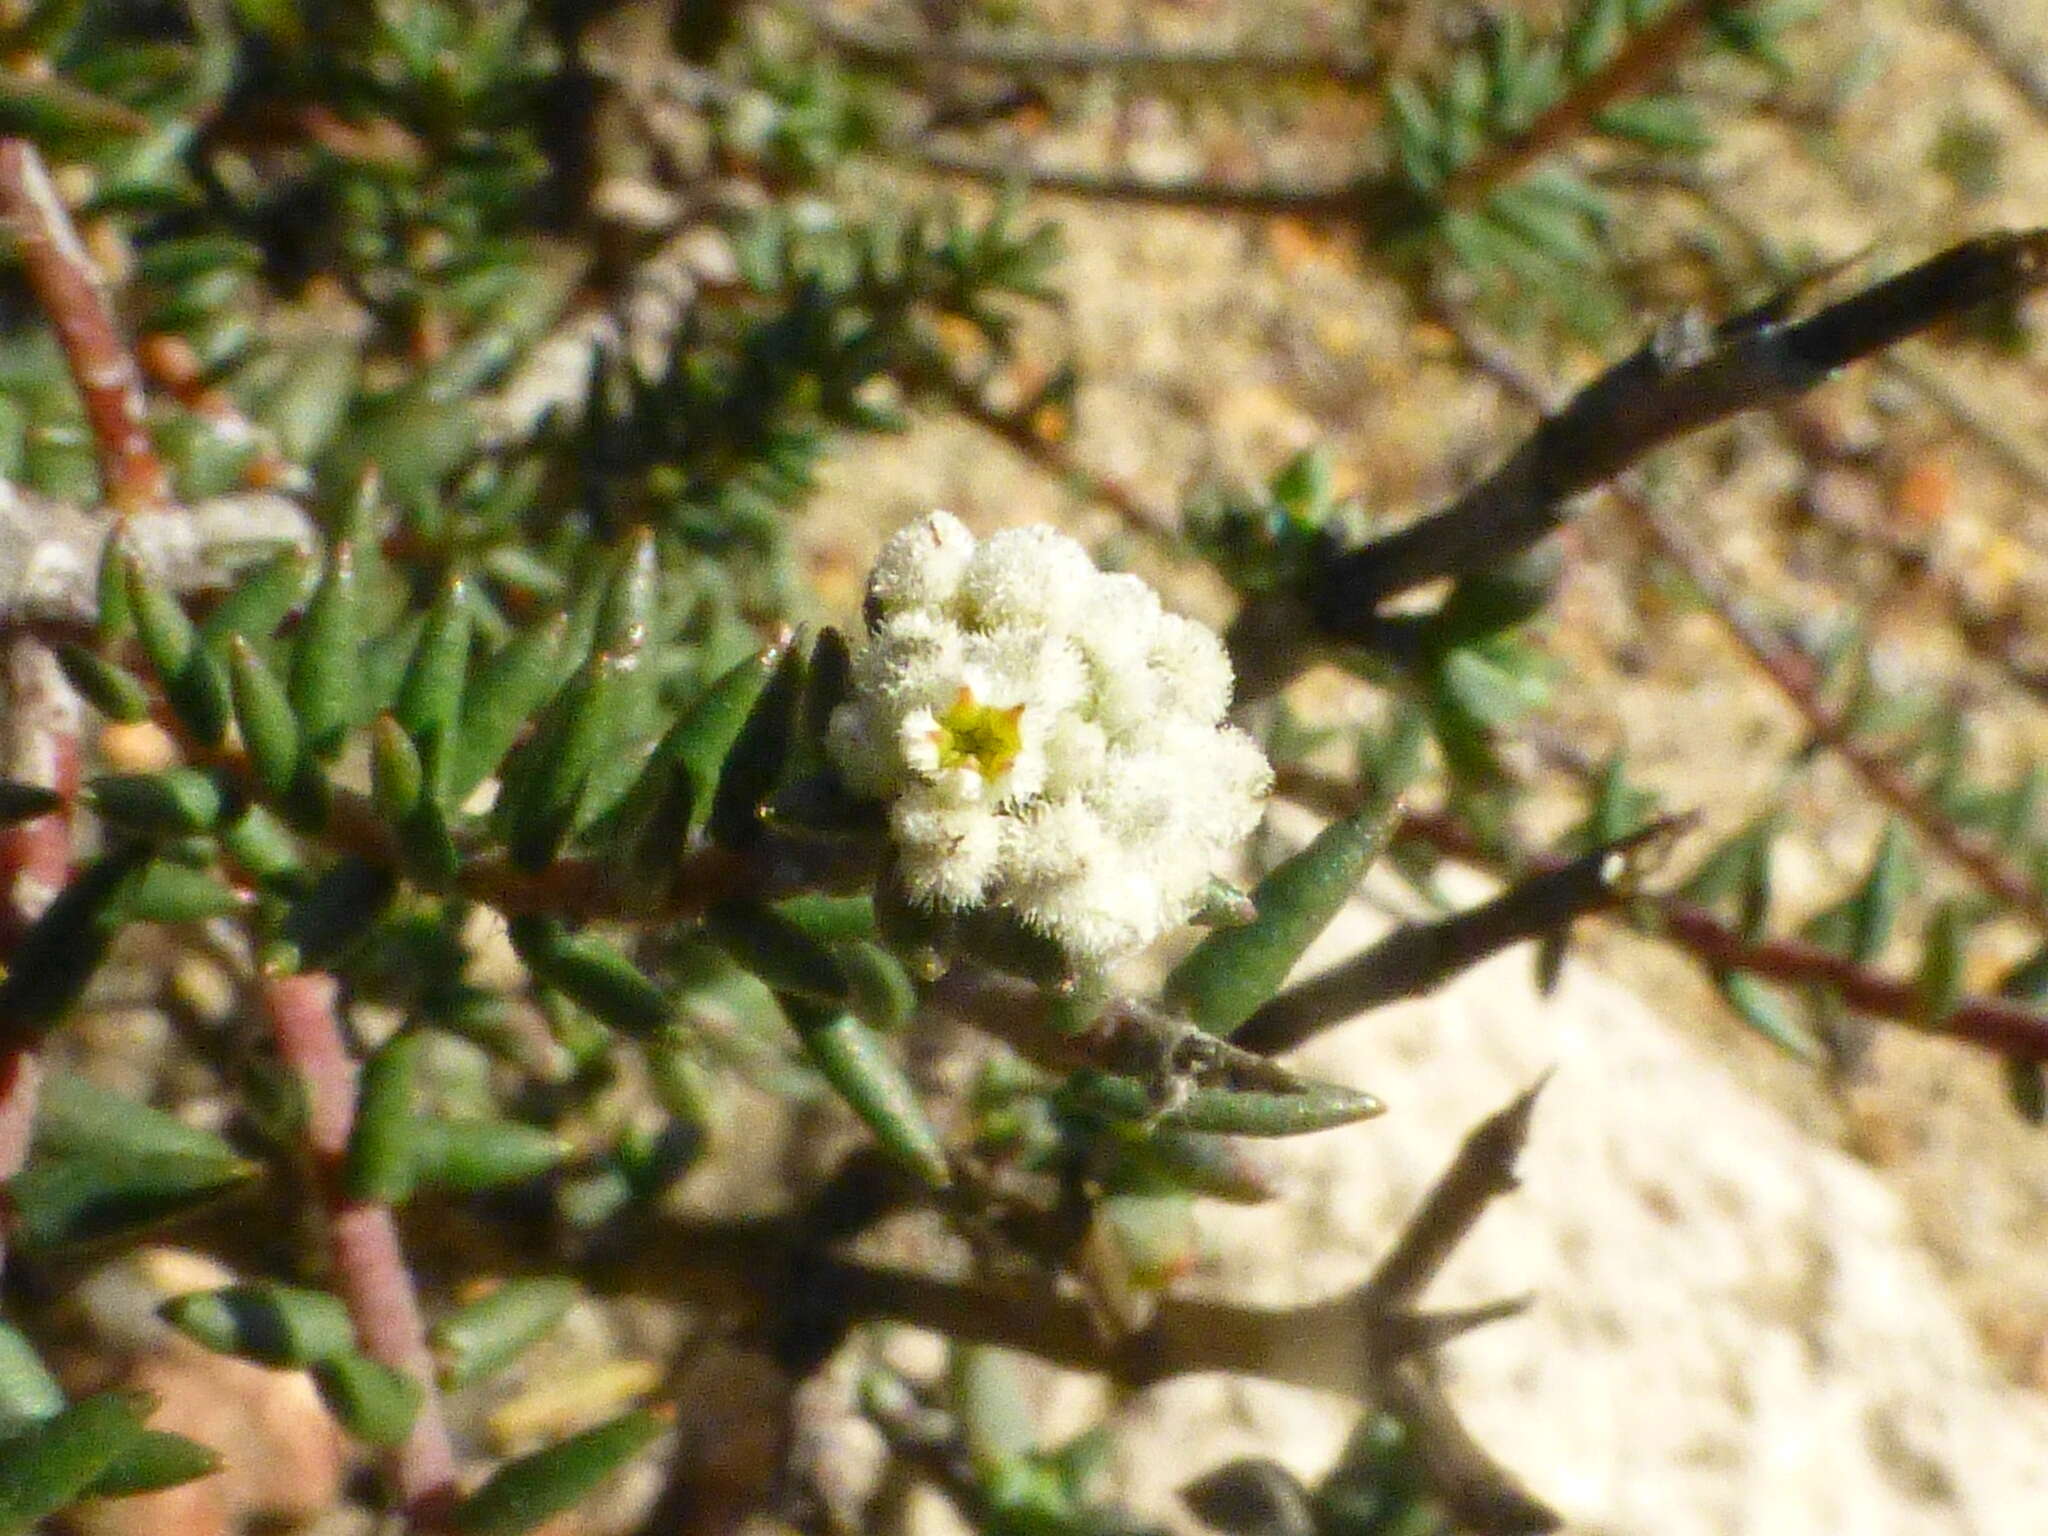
(979, 736)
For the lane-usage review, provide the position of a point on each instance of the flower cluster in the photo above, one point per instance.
(1048, 738)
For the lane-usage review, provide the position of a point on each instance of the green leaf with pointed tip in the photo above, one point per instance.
(397, 776)
(1875, 906)
(379, 1166)
(263, 713)
(1207, 1164)
(55, 959)
(632, 600)
(1765, 1012)
(368, 1398)
(545, 779)
(26, 802)
(157, 1460)
(1226, 1112)
(592, 973)
(1662, 123)
(275, 1325)
(481, 1339)
(50, 1466)
(175, 802)
(327, 657)
(777, 951)
(261, 847)
(855, 1061)
(114, 691)
(168, 892)
(831, 919)
(470, 1156)
(193, 682)
(748, 773)
(112, 621)
(1227, 976)
(430, 697)
(1595, 34)
(1739, 868)
(525, 1493)
(882, 993)
(510, 689)
(1941, 961)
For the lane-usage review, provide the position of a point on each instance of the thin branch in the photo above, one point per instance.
(370, 1269)
(1302, 200)
(1796, 679)
(1998, 1024)
(1791, 672)
(68, 287)
(1641, 59)
(1067, 56)
(1482, 1172)
(1416, 958)
(1685, 378)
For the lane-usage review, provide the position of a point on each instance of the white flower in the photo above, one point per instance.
(1048, 738)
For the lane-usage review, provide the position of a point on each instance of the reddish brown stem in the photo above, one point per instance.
(1999, 1024)
(1794, 676)
(369, 1265)
(67, 285)
(41, 723)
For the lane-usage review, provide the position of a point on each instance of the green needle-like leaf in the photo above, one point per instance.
(114, 691)
(1233, 971)
(509, 691)
(275, 1325)
(327, 660)
(525, 1493)
(470, 1156)
(192, 679)
(381, 1145)
(158, 1459)
(856, 1062)
(430, 698)
(1226, 1112)
(51, 1465)
(369, 1399)
(488, 1334)
(593, 974)
(779, 952)
(263, 713)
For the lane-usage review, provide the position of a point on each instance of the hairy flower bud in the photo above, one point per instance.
(1049, 739)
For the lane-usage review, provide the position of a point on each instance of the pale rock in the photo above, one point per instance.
(1733, 1331)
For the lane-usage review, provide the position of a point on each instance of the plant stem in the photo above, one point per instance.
(1054, 55)
(1795, 678)
(1416, 958)
(370, 1269)
(1683, 379)
(67, 286)
(1997, 1024)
